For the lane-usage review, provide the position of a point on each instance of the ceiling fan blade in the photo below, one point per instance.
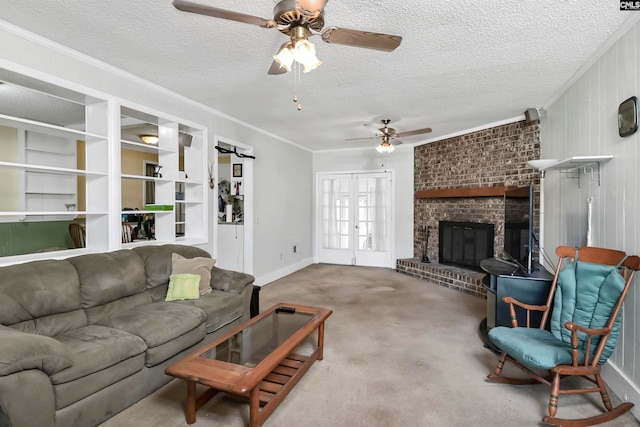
(275, 68)
(413, 132)
(362, 139)
(365, 39)
(187, 6)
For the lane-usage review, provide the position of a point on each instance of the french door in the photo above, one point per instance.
(354, 219)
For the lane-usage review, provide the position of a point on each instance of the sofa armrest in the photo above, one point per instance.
(230, 281)
(27, 399)
(22, 351)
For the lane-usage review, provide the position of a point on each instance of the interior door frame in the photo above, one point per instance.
(318, 207)
(247, 182)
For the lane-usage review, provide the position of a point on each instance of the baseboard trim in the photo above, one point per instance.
(622, 386)
(282, 272)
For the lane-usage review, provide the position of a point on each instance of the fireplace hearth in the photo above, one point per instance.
(464, 244)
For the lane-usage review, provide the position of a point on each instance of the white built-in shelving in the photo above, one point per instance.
(63, 162)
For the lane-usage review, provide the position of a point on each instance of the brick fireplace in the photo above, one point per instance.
(463, 179)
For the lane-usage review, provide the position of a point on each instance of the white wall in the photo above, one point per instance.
(583, 121)
(368, 159)
(281, 169)
(283, 210)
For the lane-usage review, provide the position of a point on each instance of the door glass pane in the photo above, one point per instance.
(335, 213)
(372, 232)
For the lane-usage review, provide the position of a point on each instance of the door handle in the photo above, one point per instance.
(357, 226)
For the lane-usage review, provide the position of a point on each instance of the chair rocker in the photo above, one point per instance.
(588, 290)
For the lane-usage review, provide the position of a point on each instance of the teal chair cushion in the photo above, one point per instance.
(586, 294)
(535, 348)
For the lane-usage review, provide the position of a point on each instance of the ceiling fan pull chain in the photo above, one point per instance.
(297, 83)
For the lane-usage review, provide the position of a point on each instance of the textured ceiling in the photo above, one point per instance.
(460, 64)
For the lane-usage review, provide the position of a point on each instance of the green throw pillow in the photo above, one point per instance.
(197, 265)
(183, 286)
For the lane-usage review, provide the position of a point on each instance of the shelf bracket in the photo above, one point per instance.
(592, 169)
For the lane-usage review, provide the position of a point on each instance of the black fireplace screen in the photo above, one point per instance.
(464, 243)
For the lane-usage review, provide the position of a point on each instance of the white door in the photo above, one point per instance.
(355, 223)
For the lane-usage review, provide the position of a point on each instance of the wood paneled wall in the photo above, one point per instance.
(584, 121)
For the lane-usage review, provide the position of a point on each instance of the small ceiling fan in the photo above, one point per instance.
(299, 19)
(389, 135)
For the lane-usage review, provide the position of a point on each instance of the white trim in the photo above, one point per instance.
(623, 385)
(248, 183)
(282, 272)
(366, 148)
(439, 138)
(471, 130)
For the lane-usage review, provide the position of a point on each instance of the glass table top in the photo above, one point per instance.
(255, 342)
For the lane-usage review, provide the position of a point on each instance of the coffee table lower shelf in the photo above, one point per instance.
(266, 396)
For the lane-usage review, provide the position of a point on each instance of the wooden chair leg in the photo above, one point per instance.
(555, 393)
(513, 381)
(604, 393)
(500, 365)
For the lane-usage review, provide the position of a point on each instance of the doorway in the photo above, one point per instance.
(355, 223)
(231, 173)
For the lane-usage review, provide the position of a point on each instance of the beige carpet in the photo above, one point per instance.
(399, 351)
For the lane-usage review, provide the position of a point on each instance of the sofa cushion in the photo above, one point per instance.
(222, 308)
(183, 286)
(21, 351)
(159, 354)
(106, 277)
(198, 265)
(73, 391)
(157, 260)
(159, 322)
(54, 324)
(33, 294)
(94, 348)
(98, 313)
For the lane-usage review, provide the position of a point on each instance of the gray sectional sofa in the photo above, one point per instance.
(83, 338)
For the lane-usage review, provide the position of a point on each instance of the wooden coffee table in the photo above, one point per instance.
(261, 360)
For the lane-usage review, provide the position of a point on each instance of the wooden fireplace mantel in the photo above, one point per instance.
(497, 191)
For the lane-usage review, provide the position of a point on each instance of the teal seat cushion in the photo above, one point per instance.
(534, 348)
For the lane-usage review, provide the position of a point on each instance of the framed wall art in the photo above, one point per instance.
(628, 116)
(237, 170)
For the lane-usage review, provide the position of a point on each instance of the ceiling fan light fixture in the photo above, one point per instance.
(311, 5)
(149, 139)
(385, 147)
(285, 58)
(305, 54)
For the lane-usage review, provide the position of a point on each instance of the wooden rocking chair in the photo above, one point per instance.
(78, 235)
(584, 323)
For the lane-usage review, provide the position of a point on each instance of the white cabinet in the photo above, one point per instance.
(230, 239)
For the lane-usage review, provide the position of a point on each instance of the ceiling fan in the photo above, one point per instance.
(299, 19)
(389, 135)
